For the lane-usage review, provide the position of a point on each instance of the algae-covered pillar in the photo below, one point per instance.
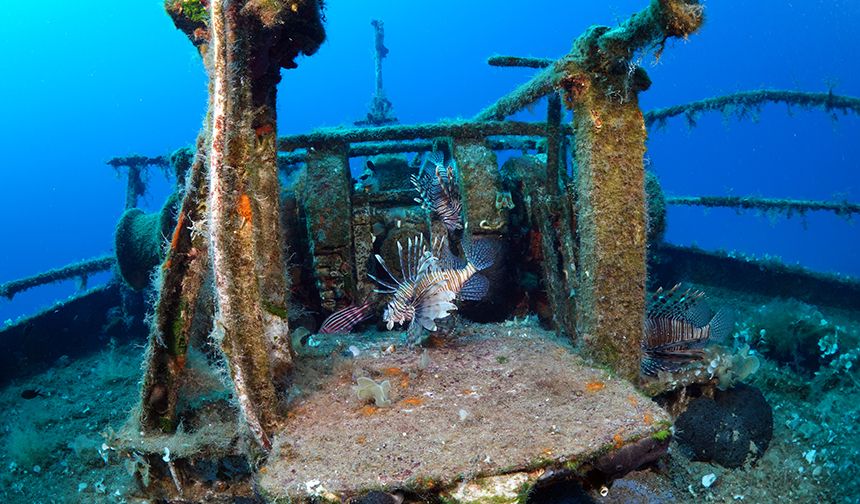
(600, 80)
(233, 199)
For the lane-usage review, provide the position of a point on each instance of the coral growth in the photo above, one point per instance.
(731, 368)
(798, 334)
(368, 389)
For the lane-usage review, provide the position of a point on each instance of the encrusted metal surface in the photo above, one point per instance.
(499, 399)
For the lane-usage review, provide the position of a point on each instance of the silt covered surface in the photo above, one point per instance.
(497, 399)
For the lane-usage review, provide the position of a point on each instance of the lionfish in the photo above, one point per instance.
(677, 326)
(343, 320)
(437, 190)
(430, 284)
(417, 298)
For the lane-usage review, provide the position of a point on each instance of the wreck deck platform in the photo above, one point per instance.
(485, 416)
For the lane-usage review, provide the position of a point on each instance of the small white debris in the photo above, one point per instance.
(166, 456)
(463, 415)
(82, 487)
(100, 486)
(354, 350)
(424, 361)
(708, 480)
(739, 497)
(37, 469)
(810, 456)
(604, 491)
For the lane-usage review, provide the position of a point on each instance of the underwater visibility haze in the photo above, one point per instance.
(400, 252)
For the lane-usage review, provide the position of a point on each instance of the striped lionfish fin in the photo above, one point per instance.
(433, 302)
(344, 320)
(475, 288)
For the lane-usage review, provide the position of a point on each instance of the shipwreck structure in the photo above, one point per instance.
(270, 234)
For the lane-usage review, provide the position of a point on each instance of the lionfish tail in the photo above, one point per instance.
(475, 288)
(481, 253)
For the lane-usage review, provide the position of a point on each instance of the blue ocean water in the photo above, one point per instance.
(85, 82)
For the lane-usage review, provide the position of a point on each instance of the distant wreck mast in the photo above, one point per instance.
(229, 222)
(380, 108)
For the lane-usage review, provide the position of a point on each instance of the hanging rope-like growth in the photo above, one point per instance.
(748, 104)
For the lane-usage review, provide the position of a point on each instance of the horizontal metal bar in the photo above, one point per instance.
(78, 269)
(538, 144)
(138, 160)
(519, 61)
(739, 101)
(785, 205)
(457, 129)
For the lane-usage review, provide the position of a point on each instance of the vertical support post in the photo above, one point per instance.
(601, 83)
(554, 157)
(176, 314)
(328, 206)
(231, 210)
(243, 221)
(610, 188)
(480, 185)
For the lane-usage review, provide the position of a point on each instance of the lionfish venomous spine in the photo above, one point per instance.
(437, 190)
(677, 326)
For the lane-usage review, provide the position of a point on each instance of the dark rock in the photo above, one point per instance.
(376, 497)
(560, 492)
(735, 426)
(631, 457)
